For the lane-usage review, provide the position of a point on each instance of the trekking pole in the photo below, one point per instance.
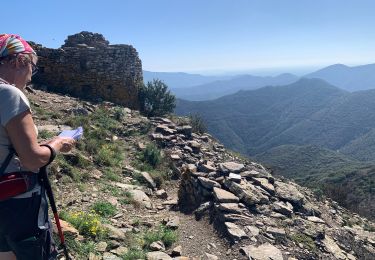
(47, 186)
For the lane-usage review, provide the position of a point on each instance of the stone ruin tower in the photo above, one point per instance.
(87, 66)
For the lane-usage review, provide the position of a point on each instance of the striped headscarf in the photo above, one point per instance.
(13, 44)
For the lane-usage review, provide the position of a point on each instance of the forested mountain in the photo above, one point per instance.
(311, 131)
(346, 180)
(348, 78)
(309, 111)
(221, 88)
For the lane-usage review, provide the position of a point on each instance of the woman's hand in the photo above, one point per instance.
(67, 143)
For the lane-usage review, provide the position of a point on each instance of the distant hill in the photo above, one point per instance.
(221, 88)
(254, 121)
(310, 131)
(176, 80)
(344, 179)
(309, 111)
(348, 78)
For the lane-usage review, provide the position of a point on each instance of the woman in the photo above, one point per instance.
(24, 225)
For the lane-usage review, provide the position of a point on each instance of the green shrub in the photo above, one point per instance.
(305, 240)
(119, 114)
(134, 254)
(109, 155)
(163, 233)
(104, 209)
(66, 169)
(87, 224)
(151, 155)
(45, 134)
(81, 248)
(111, 175)
(155, 99)
(197, 123)
(160, 176)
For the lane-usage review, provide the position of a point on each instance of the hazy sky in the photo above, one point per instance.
(210, 35)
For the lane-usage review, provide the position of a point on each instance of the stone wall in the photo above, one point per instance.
(87, 66)
(264, 217)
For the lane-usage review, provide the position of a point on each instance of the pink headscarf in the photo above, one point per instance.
(13, 44)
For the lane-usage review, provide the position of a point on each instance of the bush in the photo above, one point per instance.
(104, 209)
(86, 223)
(151, 155)
(155, 99)
(163, 233)
(109, 155)
(134, 253)
(197, 124)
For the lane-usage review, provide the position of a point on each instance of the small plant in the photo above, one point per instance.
(369, 227)
(127, 198)
(119, 114)
(197, 123)
(160, 176)
(133, 254)
(151, 155)
(109, 155)
(45, 134)
(82, 187)
(81, 248)
(111, 175)
(88, 224)
(307, 241)
(67, 170)
(113, 190)
(162, 233)
(104, 209)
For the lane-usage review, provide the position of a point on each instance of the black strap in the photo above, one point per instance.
(7, 161)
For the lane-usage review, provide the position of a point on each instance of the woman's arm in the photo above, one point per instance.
(22, 134)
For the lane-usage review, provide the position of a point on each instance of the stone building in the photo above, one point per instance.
(87, 66)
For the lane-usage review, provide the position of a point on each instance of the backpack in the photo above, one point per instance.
(15, 183)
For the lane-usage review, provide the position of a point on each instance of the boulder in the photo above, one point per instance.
(157, 246)
(228, 167)
(235, 232)
(264, 183)
(284, 208)
(333, 248)
(157, 255)
(247, 193)
(224, 196)
(231, 208)
(208, 184)
(141, 198)
(148, 179)
(262, 252)
(289, 193)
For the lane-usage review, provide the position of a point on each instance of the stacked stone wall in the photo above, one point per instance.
(100, 71)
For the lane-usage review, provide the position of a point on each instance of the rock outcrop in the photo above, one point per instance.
(264, 217)
(87, 66)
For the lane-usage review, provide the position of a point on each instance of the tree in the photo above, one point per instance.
(155, 99)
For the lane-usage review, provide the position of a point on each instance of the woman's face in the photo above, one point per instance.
(24, 72)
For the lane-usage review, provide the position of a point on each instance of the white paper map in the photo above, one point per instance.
(75, 133)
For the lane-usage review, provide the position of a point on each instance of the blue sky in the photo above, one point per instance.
(210, 36)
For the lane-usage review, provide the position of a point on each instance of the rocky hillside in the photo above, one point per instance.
(150, 188)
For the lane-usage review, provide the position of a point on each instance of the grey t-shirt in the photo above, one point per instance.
(12, 103)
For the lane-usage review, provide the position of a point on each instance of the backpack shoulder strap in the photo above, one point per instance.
(7, 161)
